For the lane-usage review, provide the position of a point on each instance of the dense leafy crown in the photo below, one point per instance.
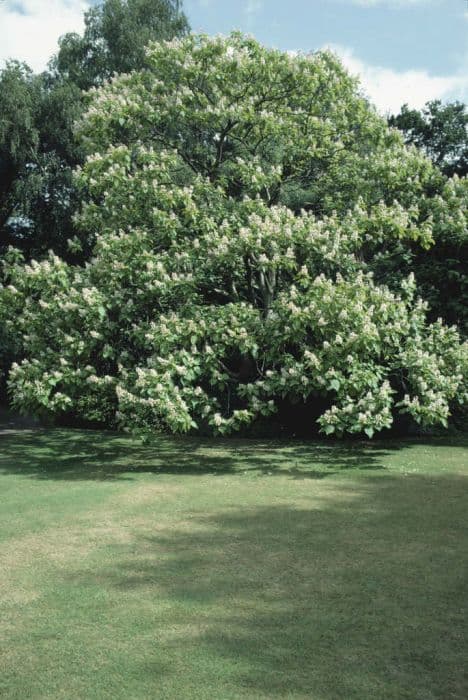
(239, 198)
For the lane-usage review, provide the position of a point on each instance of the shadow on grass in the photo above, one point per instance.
(92, 455)
(360, 596)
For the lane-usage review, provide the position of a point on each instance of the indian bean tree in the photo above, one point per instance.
(239, 199)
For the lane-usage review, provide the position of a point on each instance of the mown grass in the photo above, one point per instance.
(232, 569)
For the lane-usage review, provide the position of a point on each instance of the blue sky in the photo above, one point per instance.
(404, 50)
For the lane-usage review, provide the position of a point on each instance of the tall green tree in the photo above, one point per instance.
(19, 136)
(440, 130)
(39, 195)
(211, 300)
(38, 150)
(114, 40)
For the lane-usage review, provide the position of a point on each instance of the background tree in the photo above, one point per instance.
(19, 136)
(114, 40)
(40, 194)
(441, 131)
(211, 299)
(37, 148)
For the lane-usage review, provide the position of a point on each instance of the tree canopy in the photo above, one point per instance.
(18, 131)
(38, 150)
(241, 201)
(441, 130)
(114, 39)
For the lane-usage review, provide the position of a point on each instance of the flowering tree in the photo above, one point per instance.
(238, 198)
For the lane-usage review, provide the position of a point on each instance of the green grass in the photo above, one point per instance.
(191, 569)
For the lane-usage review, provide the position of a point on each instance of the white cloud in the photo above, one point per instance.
(252, 8)
(388, 89)
(29, 29)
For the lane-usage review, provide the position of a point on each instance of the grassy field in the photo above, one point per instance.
(232, 569)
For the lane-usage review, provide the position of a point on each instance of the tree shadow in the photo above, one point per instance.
(86, 454)
(58, 453)
(360, 595)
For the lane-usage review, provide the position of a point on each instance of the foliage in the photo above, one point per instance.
(209, 298)
(38, 150)
(18, 133)
(441, 130)
(440, 271)
(114, 40)
(37, 153)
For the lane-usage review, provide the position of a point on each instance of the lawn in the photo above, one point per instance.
(190, 569)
